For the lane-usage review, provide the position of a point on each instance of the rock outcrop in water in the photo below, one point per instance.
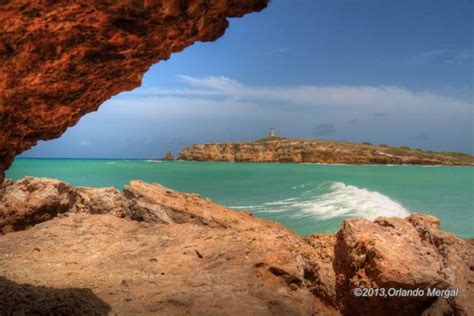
(62, 59)
(153, 250)
(169, 156)
(318, 151)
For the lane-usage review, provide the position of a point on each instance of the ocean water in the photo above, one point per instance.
(308, 198)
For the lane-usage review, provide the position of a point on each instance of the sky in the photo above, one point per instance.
(390, 72)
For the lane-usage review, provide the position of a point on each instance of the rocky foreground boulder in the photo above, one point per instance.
(154, 251)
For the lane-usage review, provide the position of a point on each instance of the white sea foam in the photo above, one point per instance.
(246, 207)
(342, 200)
(348, 200)
(154, 161)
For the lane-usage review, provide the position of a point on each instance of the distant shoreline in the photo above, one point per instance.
(243, 162)
(274, 149)
(281, 150)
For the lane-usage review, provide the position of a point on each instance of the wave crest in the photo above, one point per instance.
(342, 200)
(348, 200)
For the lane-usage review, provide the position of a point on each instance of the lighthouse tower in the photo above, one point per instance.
(272, 132)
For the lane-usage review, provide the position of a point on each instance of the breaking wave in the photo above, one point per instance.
(340, 200)
(348, 200)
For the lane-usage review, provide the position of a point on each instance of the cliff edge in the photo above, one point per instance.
(154, 251)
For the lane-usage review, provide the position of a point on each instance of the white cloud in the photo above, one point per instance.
(450, 56)
(218, 108)
(218, 83)
(363, 97)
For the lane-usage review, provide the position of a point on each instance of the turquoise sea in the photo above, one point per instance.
(308, 198)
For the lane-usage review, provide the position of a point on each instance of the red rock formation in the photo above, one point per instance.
(62, 59)
(182, 254)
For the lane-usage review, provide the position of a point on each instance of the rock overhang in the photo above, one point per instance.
(62, 59)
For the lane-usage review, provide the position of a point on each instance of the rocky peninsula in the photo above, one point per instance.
(151, 250)
(276, 149)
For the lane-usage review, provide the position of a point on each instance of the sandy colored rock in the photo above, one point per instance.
(411, 253)
(98, 201)
(318, 151)
(157, 203)
(31, 201)
(205, 259)
(324, 280)
(458, 256)
(62, 59)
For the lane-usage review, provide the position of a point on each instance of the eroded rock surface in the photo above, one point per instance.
(62, 59)
(34, 200)
(153, 251)
(395, 253)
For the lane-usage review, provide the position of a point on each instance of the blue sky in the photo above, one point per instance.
(393, 72)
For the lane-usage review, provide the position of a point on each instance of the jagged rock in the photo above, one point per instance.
(183, 254)
(99, 201)
(206, 260)
(458, 258)
(142, 207)
(398, 253)
(324, 279)
(156, 203)
(62, 59)
(4, 185)
(30, 201)
(319, 151)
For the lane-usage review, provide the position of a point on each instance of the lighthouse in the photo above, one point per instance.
(271, 133)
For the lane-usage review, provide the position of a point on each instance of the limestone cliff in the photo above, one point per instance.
(155, 251)
(62, 59)
(321, 151)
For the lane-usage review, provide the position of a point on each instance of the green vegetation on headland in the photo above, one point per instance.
(270, 138)
(392, 150)
(407, 151)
